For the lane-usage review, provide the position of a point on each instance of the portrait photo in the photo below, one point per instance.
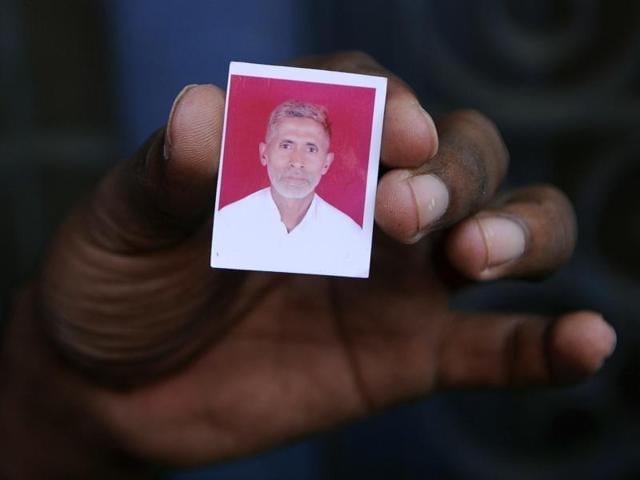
(298, 171)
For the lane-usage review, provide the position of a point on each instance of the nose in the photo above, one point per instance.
(296, 159)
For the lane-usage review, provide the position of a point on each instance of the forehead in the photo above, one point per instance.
(299, 126)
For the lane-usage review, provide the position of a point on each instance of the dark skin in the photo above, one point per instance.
(130, 351)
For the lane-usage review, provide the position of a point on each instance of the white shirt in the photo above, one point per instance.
(249, 235)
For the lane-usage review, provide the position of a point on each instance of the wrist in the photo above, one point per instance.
(49, 428)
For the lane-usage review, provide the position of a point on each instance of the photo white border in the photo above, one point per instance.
(278, 72)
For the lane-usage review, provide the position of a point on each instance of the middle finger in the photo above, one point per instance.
(455, 183)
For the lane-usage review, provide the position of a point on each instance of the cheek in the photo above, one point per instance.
(279, 160)
(315, 162)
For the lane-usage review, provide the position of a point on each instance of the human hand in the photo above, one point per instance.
(185, 365)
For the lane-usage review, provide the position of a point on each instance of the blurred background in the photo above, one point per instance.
(83, 82)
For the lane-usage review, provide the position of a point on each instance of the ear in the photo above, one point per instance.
(327, 163)
(263, 156)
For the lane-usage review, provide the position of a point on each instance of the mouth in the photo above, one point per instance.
(295, 179)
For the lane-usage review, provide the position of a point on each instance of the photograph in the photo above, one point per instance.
(298, 171)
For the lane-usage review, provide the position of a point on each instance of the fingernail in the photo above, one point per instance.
(432, 125)
(613, 338)
(504, 239)
(431, 196)
(166, 149)
(607, 336)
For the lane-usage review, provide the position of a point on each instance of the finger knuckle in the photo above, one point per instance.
(557, 222)
(481, 134)
(356, 61)
(477, 119)
(554, 195)
(552, 199)
(359, 57)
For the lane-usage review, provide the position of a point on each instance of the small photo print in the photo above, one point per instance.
(298, 171)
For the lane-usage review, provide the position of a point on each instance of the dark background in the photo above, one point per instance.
(83, 82)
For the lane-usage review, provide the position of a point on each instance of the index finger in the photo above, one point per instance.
(409, 136)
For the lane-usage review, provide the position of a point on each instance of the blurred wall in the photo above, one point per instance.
(57, 125)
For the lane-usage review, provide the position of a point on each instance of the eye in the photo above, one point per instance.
(285, 145)
(312, 148)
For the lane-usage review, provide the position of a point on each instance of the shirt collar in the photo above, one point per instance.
(308, 216)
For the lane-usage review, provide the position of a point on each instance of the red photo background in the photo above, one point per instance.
(251, 101)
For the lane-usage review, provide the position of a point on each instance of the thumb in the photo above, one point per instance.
(114, 297)
(163, 192)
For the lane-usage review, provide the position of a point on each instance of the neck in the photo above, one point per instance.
(292, 210)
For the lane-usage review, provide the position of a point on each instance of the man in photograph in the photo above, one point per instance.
(288, 226)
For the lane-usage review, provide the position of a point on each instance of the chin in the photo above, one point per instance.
(293, 193)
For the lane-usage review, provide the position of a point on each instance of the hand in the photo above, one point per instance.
(179, 364)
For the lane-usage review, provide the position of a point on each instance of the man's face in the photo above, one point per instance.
(296, 156)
